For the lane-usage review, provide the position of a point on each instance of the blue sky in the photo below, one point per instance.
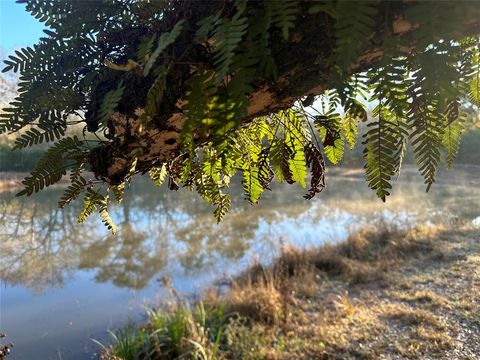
(17, 27)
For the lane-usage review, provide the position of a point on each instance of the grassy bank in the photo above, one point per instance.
(383, 293)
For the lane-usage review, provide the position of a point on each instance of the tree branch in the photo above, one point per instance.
(304, 69)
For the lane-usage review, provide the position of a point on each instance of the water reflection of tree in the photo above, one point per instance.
(38, 243)
(205, 241)
(41, 246)
(129, 259)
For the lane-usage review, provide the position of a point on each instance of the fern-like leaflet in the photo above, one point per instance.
(252, 185)
(210, 181)
(296, 138)
(265, 172)
(165, 40)
(284, 14)
(329, 126)
(144, 49)
(453, 132)
(280, 154)
(355, 21)
(77, 185)
(110, 103)
(158, 174)
(314, 160)
(156, 91)
(20, 62)
(94, 201)
(52, 165)
(118, 191)
(228, 34)
(381, 143)
(34, 137)
(474, 88)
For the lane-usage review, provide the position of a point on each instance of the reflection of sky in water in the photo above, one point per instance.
(65, 283)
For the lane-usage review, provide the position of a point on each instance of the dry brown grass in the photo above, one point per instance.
(365, 256)
(267, 293)
(259, 301)
(409, 316)
(426, 297)
(368, 297)
(420, 342)
(384, 293)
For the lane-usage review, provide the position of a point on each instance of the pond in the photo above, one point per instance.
(64, 284)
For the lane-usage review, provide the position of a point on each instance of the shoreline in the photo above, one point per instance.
(383, 293)
(11, 180)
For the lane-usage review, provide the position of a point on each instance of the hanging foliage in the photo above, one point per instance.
(194, 92)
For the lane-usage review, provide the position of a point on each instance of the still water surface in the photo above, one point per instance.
(63, 284)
